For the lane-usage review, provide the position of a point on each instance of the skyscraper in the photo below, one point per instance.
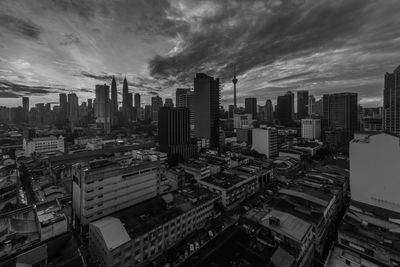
(25, 106)
(311, 102)
(90, 104)
(113, 103)
(285, 108)
(73, 108)
(269, 110)
(340, 112)
(102, 107)
(391, 102)
(126, 103)
(137, 100)
(302, 104)
(250, 107)
(169, 103)
(63, 107)
(174, 132)
(206, 108)
(180, 95)
(156, 103)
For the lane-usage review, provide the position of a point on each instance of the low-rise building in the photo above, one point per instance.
(137, 235)
(102, 187)
(8, 185)
(197, 168)
(43, 145)
(52, 220)
(233, 185)
(292, 235)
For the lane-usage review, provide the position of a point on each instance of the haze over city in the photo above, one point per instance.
(276, 46)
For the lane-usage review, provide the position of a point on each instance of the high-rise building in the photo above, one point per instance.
(206, 108)
(265, 141)
(285, 108)
(156, 104)
(147, 112)
(174, 132)
(126, 103)
(73, 108)
(25, 106)
(169, 103)
(269, 110)
(184, 98)
(311, 129)
(102, 107)
(391, 102)
(302, 104)
(90, 104)
(113, 103)
(181, 97)
(63, 115)
(250, 106)
(311, 102)
(129, 106)
(137, 100)
(340, 112)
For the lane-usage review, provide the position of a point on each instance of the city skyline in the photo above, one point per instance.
(322, 47)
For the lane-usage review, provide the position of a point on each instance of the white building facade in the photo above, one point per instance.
(241, 121)
(43, 145)
(311, 129)
(375, 170)
(265, 141)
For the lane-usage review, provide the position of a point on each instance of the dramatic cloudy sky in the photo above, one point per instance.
(52, 46)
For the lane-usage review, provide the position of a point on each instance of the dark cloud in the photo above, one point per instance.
(18, 90)
(5, 94)
(100, 77)
(23, 27)
(291, 77)
(69, 39)
(238, 34)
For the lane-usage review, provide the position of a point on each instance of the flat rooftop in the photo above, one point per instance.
(224, 180)
(150, 214)
(289, 225)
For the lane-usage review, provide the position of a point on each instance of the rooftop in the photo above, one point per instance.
(289, 225)
(224, 180)
(112, 232)
(150, 214)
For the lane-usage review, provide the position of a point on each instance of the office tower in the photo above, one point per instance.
(129, 106)
(180, 95)
(318, 107)
(302, 104)
(102, 107)
(311, 102)
(174, 132)
(265, 141)
(242, 121)
(340, 112)
(137, 100)
(90, 104)
(311, 129)
(250, 106)
(206, 108)
(147, 112)
(25, 106)
(156, 103)
(234, 81)
(113, 103)
(73, 108)
(169, 103)
(269, 111)
(40, 112)
(285, 109)
(126, 102)
(63, 115)
(391, 102)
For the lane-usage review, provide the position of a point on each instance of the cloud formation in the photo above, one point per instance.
(159, 45)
